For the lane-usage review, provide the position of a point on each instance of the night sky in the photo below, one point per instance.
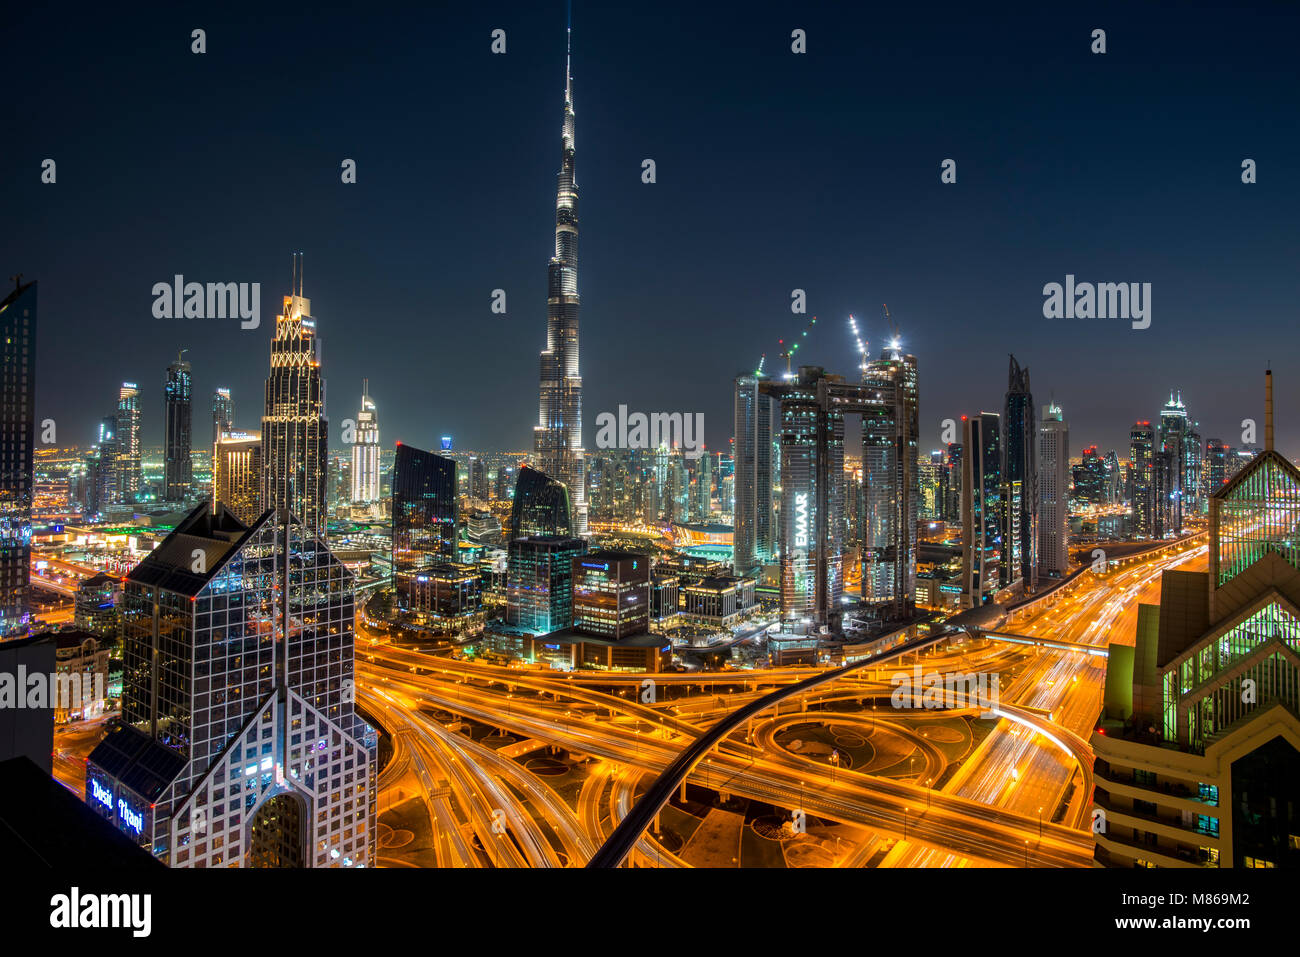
(775, 171)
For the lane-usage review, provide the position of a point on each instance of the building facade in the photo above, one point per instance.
(1053, 493)
(295, 432)
(17, 440)
(178, 396)
(557, 438)
(239, 744)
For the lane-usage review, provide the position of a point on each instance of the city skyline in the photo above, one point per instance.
(706, 324)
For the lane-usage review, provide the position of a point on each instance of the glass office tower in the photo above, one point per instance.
(239, 745)
(424, 512)
(178, 480)
(17, 437)
(541, 506)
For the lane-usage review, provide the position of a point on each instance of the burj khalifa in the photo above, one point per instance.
(557, 438)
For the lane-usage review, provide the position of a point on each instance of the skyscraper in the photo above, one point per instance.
(812, 409)
(17, 438)
(754, 422)
(223, 413)
(1174, 443)
(239, 744)
(365, 452)
(542, 506)
(891, 481)
(981, 508)
(557, 438)
(295, 432)
(177, 396)
(129, 475)
(1053, 493)
(1020, 473)
(424, 512)
(1145, 464)
(237, 475)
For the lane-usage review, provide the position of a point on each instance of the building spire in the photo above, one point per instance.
(1268, 410)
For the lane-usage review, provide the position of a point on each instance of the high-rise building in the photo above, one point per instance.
(239, 745)
(1090, 477)
(178, 480)
(891, 481)
(1053, 493)
(365, 452)
(1173, 468)
(1196, 752)
(539, 582)
(557, 438)
(223, 413)
(237, 474)
(755, 536)
(1020, 473)
(541, 506)
(1144, 459)
(981, 508)
(424, 513)
(295, 432)
(611, 593)
(1216, 465)
(812, 479)
(129, 474)
(17, 441)
(478, 478)
(954, 468)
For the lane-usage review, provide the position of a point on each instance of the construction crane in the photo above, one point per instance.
(862, 345)
(892, 326)
(788, 352)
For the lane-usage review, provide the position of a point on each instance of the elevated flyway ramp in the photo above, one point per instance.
(1041, 641)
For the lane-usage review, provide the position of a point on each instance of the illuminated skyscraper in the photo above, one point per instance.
(1053, 492)
(17, 438)
(237, 475)
(129, 475)
(812, 409)
(1144, 460)
(177, 422)
(891, 481)
(239, 744)
(1020, 475)
(542, 506)
(557, 438)
(981, 508)
(223, 413)
(365, 452)
(424, 514)
(295, 432)
(754, 521)
(1173, 466)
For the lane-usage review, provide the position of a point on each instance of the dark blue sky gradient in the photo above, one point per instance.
(775, 171)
